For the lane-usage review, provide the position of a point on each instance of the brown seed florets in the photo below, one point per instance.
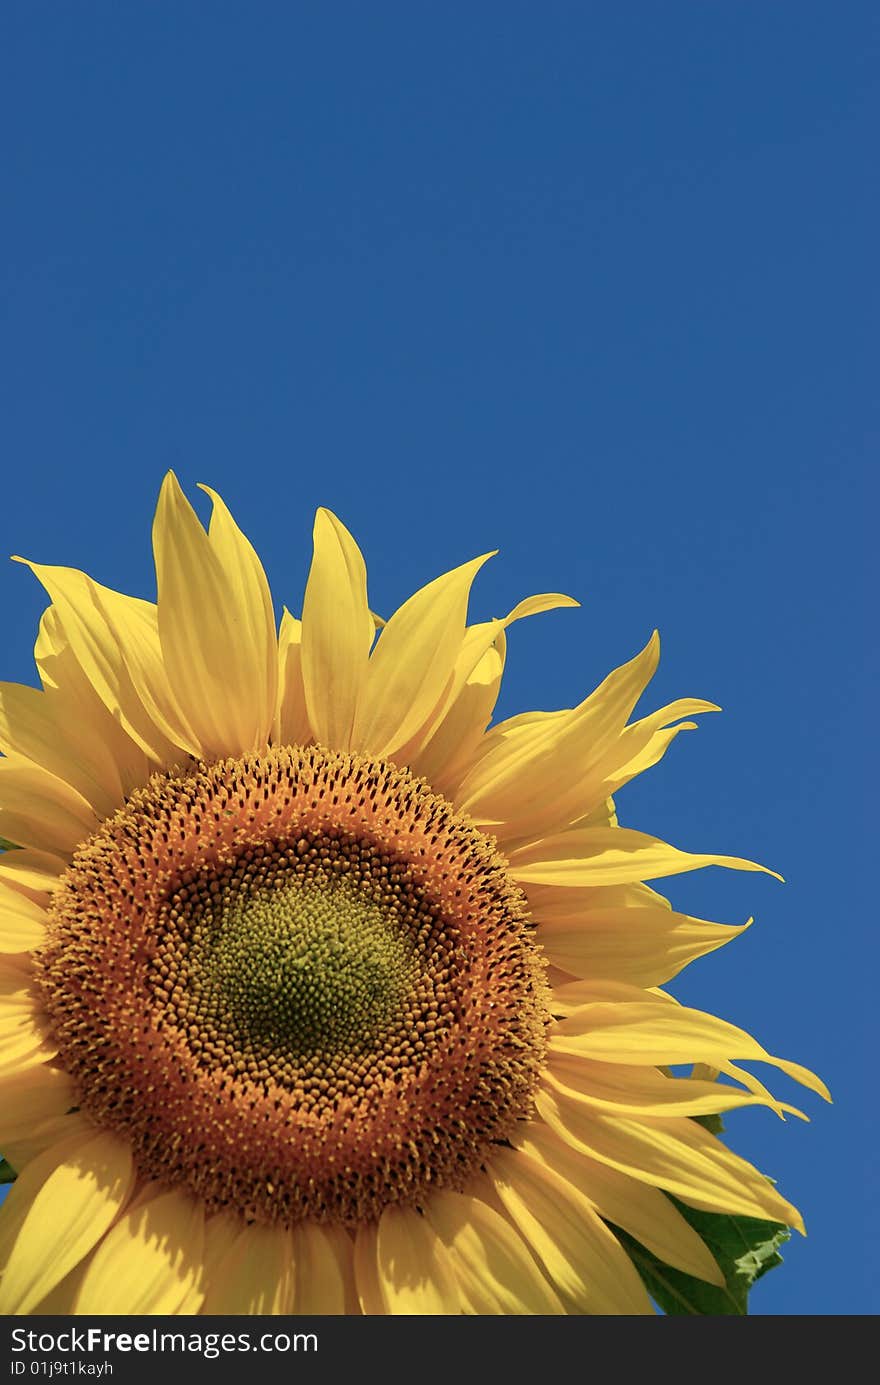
(299, 983)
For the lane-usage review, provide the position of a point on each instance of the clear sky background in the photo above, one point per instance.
(594, 284)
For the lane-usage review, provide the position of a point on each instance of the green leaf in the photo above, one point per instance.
(744, 1247)
(7, 1172)
(6, 846)
(712, 1123)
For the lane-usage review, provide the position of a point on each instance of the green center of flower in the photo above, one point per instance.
(304, 967)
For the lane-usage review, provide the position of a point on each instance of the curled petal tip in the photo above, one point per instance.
(767, 870)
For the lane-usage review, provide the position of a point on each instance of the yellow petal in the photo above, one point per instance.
(645, 1212)
(637, 748)
(24, 1040)
(136, 626)
(366, 1271)
(59, 1131)
(609, 856)
(21, 1153)
(34, 874)
(337, 631)
(21, 1052)
(39, 810)
(665, 1034)
(555, 904)
(644, 946)
(149, 1262)
(478, 641)
(430, 752)
(291, 720)
(69, 1205)
(32, 1174)
(603, 815)
(221, 1232)
(77, 736)
(255, 1276)
(38, 726)
(114, 640)
(675, 1153)
(413, 663)
(642, 1091)
(59, 1303)
(29, 1098)
(582, 1258)
(253, 611)
(537, 605)
(532, 776)
(416, 1275)
(750, 1082)
(447, 755)
(643, 744)
(324, 1259)
(15, 974)
(573, 995)
(216, 626)
(495, 1272)
(22, 922)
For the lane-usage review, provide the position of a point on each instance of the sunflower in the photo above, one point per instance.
(317, 995)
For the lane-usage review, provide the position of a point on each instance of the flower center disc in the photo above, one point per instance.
(299, 984)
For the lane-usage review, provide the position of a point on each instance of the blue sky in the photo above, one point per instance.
(589, 283)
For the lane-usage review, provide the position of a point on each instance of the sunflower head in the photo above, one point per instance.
(298, 985)
(319, 992)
